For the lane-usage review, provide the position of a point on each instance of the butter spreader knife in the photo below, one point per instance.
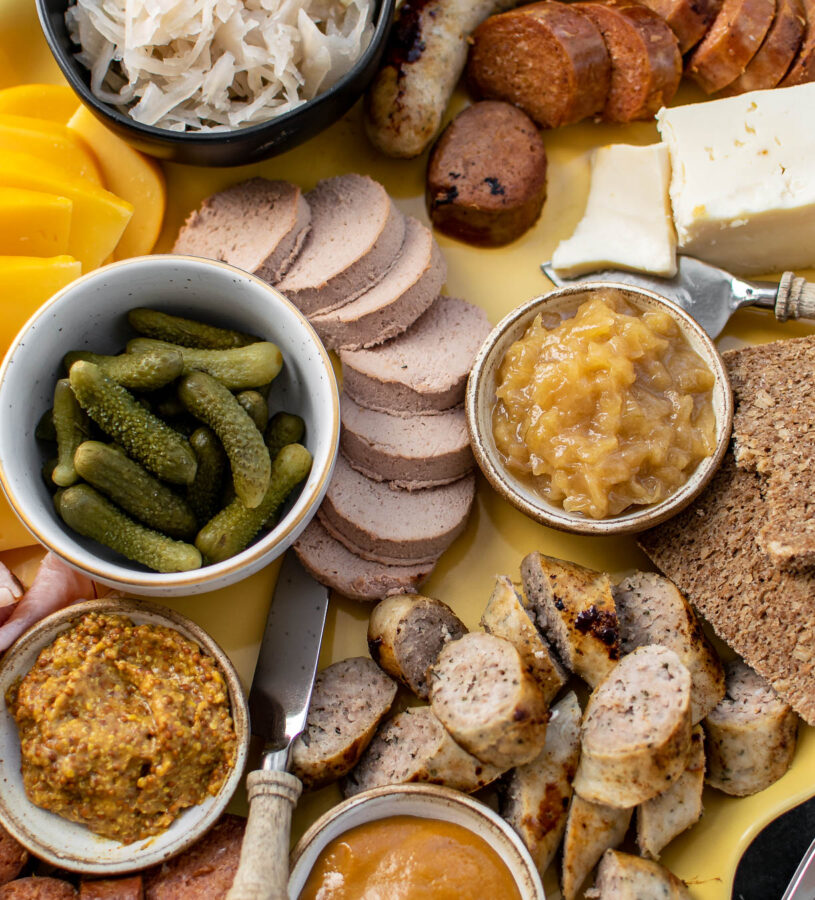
(278, 704)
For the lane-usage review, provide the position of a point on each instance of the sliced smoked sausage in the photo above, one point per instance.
(802, 69)
(688, 19)
(775, 55)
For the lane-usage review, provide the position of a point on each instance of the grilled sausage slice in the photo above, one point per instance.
(751, 734)
(407, 632)
(591, 829)
(546, 58)
(536, 795)
(802, 69)
(662, 818)
(775, 55)
(621, 876)
(414, 746)
(651, 610)
(688, 19)
(574, 607)
(636, 731)
(486, 698)
(506, 617)
(349, 700)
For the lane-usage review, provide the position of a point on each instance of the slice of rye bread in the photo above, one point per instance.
(392, 306)
(424, 369)
(774, 429)
(410, 452)
(764, 612)
(256, 225)
(356, 234)
(333, 564)
(392, 526)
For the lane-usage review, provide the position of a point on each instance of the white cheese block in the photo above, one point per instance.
(743, 179)
(627, 222)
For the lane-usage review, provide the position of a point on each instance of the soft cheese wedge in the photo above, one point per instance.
(99, 217)
(54, 102)
(50, 142)
(743, 179)
(33, 223)
(627, 223)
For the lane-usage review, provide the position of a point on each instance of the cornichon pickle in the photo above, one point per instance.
(283, 428)
(187, 332)
(135, 371)
(204, 494)
(255, 404)
(48, 473)
(71, 427)
(245, 367)
(232, 529)
(45, 430)
(145, 437)
(132, 487)
(90, 514)
(208, 400)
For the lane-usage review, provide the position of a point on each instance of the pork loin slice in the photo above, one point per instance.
(391, 526)
(408, 289)
(256, 225)
(689, 19)
(636, 731)
(484, 695)
(406, 633)
(730, 44)
(574, 607)
(356, 234)
(621, 876)
(751, 734)
(802, 69)
(591, 829)
(410, 452)
(651, 610)
(333, 564)
(350, 699)
(425, 368)
(506, 617)
(536, 795)
(662, 818)
(774, 57)
(414, 746)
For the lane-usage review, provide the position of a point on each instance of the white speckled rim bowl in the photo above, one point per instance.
(70, 845)
(480, 401)
(90, 314)
(425, 801)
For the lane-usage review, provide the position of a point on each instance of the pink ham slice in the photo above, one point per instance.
(10, 592)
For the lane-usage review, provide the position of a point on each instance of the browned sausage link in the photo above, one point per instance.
(776, 54)
(802, 69)
(689, 19)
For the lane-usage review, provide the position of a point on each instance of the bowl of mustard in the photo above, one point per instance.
(599, 409)
(123, 736)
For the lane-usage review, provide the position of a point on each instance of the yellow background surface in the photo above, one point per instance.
(497, 536)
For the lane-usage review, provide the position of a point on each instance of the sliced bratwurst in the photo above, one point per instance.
(688, 19)
(636, 731)
(802, 69)
(621, 876)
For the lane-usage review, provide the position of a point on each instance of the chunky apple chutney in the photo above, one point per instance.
(122, 726)
(604, 410)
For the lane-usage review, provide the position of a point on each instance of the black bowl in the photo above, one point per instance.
(230, 148)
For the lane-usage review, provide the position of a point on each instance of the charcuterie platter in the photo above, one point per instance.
(498, 536)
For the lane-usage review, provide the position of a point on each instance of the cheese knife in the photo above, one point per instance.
(278, 705)
(710, 294)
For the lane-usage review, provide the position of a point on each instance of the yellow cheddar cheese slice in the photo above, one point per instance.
(54, 102)
(99, 217)
(33, 223)
(49, 141)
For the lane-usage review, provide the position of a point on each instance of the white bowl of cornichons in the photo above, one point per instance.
(169, 424)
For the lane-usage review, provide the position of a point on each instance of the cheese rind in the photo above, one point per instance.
(627, 223)
(743, 179)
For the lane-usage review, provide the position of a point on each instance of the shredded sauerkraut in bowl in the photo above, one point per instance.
(216, 65)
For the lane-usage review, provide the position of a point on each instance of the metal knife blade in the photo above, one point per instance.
(802, 886)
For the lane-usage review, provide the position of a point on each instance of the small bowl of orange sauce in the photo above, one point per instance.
(412, 842)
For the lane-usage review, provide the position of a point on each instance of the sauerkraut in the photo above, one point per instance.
(216, 65)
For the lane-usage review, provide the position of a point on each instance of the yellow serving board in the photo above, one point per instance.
(497, 536)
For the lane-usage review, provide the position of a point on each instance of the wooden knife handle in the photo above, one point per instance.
(795, 298)
(263, 870)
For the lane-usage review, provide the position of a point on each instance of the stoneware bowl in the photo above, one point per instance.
(424, 801)
(70, 845)
(480, 401)
(90, 314)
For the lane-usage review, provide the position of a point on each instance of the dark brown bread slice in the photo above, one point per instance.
(764, 612)
(425, 368)
(13, 856)
(113, 889)
(38, 889)
(646, 65)
(774, 430)
(776, 54)
(689, 19)
(333, 564)
(545, 58)
(802, 69)
(256, 225)
(486, 178)
(730, 44)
